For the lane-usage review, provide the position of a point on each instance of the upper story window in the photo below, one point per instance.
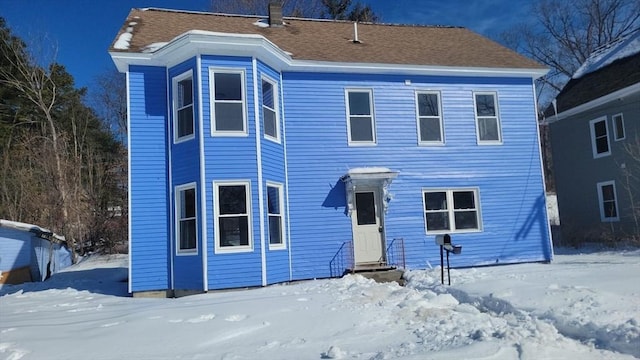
(608, 201)
(430, 131)
(183, 121)
(233, 216)
(269, 112)
(361, 124)
(453, 210)
(228, 115)
(186, 219)
(618, 127)
(487, 118)
(599, 137)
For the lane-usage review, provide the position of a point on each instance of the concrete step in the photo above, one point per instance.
(384, 276)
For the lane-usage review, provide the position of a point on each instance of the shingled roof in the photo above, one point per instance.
(331, 41)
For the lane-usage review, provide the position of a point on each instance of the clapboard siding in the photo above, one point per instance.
(148, 138)
(185, 169)
(277, 261)
(231, 158)
(15, 249)
(508, 176)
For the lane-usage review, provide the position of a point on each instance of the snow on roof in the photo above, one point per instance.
(30, 228)
(608, 53)
(369, 170)
(125, 38)
(154, 47)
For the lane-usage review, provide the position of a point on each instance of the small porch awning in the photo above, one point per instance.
(380, 177)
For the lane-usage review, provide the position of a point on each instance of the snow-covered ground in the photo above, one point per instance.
(583, 305)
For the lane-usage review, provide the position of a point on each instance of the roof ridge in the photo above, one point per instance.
(299, 18)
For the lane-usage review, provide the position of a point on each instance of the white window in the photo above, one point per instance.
(608, 201)
(228, 114)
(599, 137)
(487, 118)
(232, 206)
(269, 110)
(618, 127)
(186, 219)
(451, 211)
(429, 112)
(361, 124)
(275, 214)
(183, 120)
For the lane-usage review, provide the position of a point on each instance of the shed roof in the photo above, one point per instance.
(145, 30)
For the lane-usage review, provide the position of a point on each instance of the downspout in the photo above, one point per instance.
(286, 175)
(544, 181)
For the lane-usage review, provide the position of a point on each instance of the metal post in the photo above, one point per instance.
(441, 266)
(448, 272)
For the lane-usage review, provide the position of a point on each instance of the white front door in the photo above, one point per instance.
(367, 227)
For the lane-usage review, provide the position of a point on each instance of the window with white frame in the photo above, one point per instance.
(183, 120)
(618, 127)
(269, 112)
(608, 201)
(430, 130)
(186, 218)
(227, 102)
(361, 123)
(452, 210)
(233, 215)
(599, 137)
(487, 118)
(275, 214)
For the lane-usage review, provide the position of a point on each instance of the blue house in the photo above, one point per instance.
(265, 150)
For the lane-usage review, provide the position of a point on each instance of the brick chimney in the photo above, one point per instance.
(275, 14)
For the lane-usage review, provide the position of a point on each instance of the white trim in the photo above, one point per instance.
(203, 184)
(619, 94)
(129, 210)
(451, 210)
(274, 84)
(174, 107)
(615, 127)
(599, 186)
(592, 130)
(439, 117)
(190, 43)
(541, 160)
(177, 190)
(243, 101)
(497, 116)
(256, 113)
(374, 141)
(171, 196)
(248, 195)
(286, 176)
(283, 243)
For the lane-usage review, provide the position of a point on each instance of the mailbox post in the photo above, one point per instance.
(446, 246)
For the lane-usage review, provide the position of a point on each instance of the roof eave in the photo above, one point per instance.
(619, 94)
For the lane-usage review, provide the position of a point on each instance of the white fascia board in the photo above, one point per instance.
(197, 42)
(629, 90)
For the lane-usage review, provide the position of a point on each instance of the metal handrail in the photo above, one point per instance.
(338, 264)
(395, 253)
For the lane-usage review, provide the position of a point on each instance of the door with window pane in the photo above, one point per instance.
(367, 228)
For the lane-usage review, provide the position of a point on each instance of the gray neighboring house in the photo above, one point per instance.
(594, 124)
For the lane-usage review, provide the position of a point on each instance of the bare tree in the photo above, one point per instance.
(566, 32)
(329, 9)
(109, 98)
